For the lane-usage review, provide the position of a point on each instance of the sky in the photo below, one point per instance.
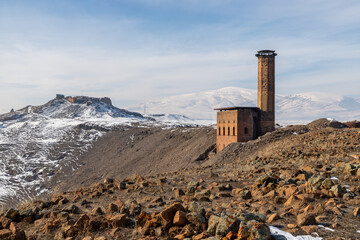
(139, 50)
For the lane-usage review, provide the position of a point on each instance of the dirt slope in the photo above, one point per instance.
(139, 150)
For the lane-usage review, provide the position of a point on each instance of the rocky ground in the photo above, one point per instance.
(301, 179)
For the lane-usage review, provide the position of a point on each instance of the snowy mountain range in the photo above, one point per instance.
(289, 108)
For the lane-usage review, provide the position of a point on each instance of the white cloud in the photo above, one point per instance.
(130, 60)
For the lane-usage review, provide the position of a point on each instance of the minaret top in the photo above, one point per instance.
(266, 53)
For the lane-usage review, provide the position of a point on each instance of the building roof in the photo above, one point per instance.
(266, 53)
(235, 108)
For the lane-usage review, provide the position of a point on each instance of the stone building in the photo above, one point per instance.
(241, 124)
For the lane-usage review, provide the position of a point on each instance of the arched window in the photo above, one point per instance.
(246, 130)
(228, 131)
(223, 130)
(233, 131)
(219, 130)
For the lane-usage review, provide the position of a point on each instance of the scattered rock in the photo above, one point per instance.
(306, 219)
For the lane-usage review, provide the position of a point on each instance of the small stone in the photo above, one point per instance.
(191, 187)
(82, 221)
(223, 194)
(306, 219)
(272, 218)
(118, 220)
(308, 208)
(97, 211)
(111, 208)
(356, 212)
(321, 218)
(196, 207)
(227, 223)
(291, 226)
(212, 224)
(231, 236)
(108, 180)
(338, 190)
(17, 232)
(203, 235)
(72, 209)
(121, 185)
(196, 219)
(246, 194)
(258, 230)
(310, 229)
(5, 234)
(5, 222)
(12, 214)
(327, 184)
(167, 215)
(337, 211)
(290, 191)
(335, 225)
(119, 203)
(180, 219)
(100, 238)
(70, 231)
(178, 193)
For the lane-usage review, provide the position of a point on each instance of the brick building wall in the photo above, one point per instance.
(241, 124)
(236, 125)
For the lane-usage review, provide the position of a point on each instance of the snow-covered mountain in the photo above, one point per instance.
(36, 141)
(289, 108)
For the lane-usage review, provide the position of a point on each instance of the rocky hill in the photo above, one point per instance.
(41, 146)
(298, 180)
(37, 141)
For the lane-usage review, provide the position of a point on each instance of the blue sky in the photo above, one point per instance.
(138, 50)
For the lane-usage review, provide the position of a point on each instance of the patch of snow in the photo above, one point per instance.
(334, 178)
(288, 236)
(171, 120)
(30, 141)
(326, 228)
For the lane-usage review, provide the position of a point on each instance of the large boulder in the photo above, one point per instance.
(167, 215)
(227, 223)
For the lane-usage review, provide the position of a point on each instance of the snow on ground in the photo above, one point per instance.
(276, 231)
(178, 120)
(35, 142)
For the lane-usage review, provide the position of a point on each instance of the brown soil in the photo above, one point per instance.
(138, 150)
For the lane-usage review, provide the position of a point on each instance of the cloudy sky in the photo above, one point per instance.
(138, 50)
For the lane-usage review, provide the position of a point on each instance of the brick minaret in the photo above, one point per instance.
(266, 90)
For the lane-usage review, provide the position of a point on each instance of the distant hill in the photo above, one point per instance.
(297, 107)
(37, 141)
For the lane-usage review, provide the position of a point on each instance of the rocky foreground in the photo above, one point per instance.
(305, 181)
